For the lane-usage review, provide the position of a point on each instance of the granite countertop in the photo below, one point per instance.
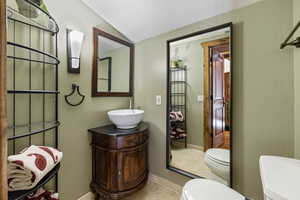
(112, 130)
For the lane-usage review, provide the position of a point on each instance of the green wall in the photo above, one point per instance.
(297, 82)
(120, 68)
(191, 53)
(262, 90)
(74, 141)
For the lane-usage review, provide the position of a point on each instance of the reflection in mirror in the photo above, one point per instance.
(112, 65)
(104, 74)
(199, 104)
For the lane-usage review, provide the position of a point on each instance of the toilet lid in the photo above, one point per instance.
(197, 189)
(222, 156)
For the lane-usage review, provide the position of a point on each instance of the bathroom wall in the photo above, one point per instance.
(262, 90)
(74, 140)
(120, 68)
(297, 81)
(191, 54)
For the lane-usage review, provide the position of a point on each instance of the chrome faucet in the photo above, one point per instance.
(130, 103)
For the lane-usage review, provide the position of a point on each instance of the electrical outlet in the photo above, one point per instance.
(200, 98)
(158, 100)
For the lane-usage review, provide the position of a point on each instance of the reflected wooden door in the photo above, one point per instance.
(217, 91)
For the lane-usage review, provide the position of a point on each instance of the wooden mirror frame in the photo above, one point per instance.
(95, 93)
(168, 166)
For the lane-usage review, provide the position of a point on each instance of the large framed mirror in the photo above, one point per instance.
(199, 116)
(113, 62)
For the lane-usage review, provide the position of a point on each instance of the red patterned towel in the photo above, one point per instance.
(43, 194)
(26, 169)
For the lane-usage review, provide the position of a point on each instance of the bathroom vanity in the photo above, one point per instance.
(120, 160)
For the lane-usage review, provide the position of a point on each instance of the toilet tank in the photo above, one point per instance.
(280, 177)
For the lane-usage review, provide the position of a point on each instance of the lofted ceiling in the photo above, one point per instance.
(142, 19)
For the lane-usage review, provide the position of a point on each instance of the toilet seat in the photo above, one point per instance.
(218, 160)
(198, 189)
(221, 156)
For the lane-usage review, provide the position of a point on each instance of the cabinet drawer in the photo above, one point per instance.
(131, 140)
(104, 141)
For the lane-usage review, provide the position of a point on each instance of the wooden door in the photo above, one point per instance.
(132, 167)
(218, 92)
(3, 121)
(207, 104)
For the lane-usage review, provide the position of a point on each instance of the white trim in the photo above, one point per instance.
(195, 147)
(87, 196)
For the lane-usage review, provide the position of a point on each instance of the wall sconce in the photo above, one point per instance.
(74, 46)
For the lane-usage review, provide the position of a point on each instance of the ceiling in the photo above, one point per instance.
(142, 19)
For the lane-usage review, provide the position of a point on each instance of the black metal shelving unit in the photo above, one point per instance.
(106, 78)
(26, 57)
(178, 98)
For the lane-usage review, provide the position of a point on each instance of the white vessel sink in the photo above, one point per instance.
(126, 118)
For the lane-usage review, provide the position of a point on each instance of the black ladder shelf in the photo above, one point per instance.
(19, 133)
(177, 93)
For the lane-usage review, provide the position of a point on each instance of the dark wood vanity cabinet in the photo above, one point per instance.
(120, 160)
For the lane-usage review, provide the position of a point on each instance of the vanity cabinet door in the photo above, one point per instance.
(105, 172)
(132, 165)
(102, 159)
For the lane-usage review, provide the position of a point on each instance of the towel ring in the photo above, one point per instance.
(74, 88)
(295, 42)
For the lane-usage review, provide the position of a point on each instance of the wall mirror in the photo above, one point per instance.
(199, 88)
(112, 65)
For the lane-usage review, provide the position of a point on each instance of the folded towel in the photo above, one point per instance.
(176, 116)
(26, 169)
(42, 194)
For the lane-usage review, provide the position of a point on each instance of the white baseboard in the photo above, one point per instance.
(195, 147)
(152, 178)
(87, 196)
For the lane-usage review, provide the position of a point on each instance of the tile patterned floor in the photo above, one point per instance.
(192, 160)
(155, 191)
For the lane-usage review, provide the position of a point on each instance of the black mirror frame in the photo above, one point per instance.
(97, 32)
(168, 166)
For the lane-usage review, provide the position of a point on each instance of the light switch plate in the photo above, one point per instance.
(200, 98)
(158, 100)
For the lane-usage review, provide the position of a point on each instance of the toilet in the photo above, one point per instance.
(280, 178)
(218, 161)
(205, 189)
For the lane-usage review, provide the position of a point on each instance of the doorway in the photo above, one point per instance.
(217, 94)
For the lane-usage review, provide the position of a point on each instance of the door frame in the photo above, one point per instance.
(3, 112)
(207, 104)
